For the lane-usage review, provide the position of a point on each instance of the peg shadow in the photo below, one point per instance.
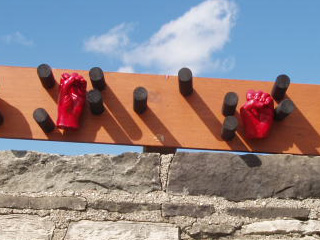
(251, 160)
(15, 124)
(160, 131)
(95, 122)
(54, 92)
(122, 116)
(111, 127)
(210, 120)
(115, 120)
(304, 136)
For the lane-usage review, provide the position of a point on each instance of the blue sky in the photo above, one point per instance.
(243, 39)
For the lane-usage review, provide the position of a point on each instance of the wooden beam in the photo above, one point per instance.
(171, 120)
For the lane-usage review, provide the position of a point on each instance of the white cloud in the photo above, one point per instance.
(126, 69)
(16, 38)
(190, 40)
(113, 41)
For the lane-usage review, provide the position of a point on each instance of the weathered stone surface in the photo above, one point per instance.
(35, 172)
(124, 207)
(67, 203)
(283, 227)
(204, 231)
(88, 230)
(14, 202)
(22, 202)
(273, 227)
(240, 177)
(271, 237)
(165, 163)
(191, 210)
(270, 212)
(25, 227)
(59, 234)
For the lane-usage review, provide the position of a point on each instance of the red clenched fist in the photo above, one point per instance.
(72, 98)
(257, 114)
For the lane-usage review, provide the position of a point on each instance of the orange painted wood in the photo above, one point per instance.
(171, 120)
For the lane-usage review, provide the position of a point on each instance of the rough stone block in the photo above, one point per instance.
(14, 202)
(204, 231)
(124, 207)
(66, 203)
(282, 227)
(88, 230)
(25, 227)
(241, 177)
(36, 172)
(23, 202)
(191, 210)
(270, 212)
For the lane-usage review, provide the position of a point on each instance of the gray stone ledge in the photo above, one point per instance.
(46, 203)
(241, 177)
(270, 212)
(233, 177)
(38, 172)
(124, 207)
(191, 210)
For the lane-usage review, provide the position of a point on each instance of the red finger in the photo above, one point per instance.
(250, 94)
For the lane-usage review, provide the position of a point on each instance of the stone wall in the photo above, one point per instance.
(148, 196)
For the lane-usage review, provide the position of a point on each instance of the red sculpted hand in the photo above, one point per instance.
(257, 114)
(72, 98)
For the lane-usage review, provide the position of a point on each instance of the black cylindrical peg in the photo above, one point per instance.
(43, 119)
(229, 127)
(185, 81)
(230, 103)
(284, 109)
(140, 97)
(1, 119)
(46, 76)
(280, 87)
(95, 100)
(97, 78)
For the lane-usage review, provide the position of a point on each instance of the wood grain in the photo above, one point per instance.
(171, 120)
